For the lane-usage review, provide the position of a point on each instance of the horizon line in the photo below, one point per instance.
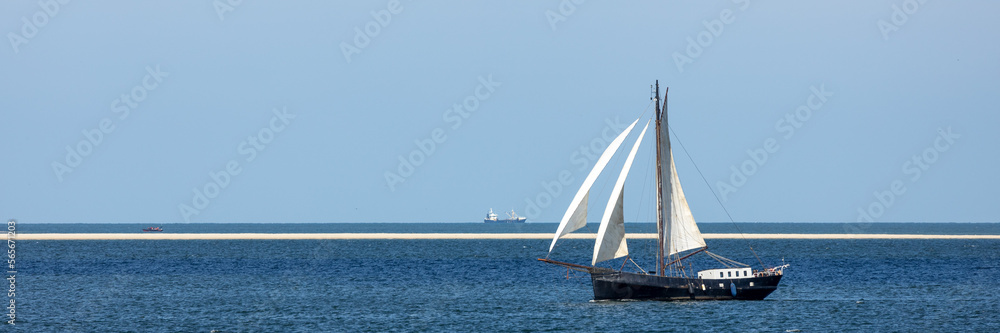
(456, 236)
(479, 222)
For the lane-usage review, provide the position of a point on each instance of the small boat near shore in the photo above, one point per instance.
(152, 229)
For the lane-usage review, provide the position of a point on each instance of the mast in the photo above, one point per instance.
(668, 163)
(659, 186)
(664, 205)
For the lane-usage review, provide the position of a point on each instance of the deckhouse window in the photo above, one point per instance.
(730, 274)
(721, 274)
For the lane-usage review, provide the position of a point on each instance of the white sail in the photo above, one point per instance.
(684, 234)
(576, 215)
(664, 204)
(611, 242)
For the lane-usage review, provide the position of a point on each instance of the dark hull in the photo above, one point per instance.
(616, 285)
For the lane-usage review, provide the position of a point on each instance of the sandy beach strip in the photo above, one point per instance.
(216, 236)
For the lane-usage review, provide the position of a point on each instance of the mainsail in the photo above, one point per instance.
(576, 215)
(611, 242)
(684, 234)
(679, 232)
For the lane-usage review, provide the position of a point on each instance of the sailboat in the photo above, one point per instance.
(678, 237)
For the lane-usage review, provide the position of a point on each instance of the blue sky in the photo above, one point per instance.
(189, 94)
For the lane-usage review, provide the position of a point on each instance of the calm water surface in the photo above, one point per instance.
(486, 285)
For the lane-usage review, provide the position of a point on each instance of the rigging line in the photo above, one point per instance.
(734, 262)
(643, 195)
(719, 257)
(637, 265)
(615, 161)
(645, 185)
(716, 197)
(604, 184)
(646, 191)
(720, 261)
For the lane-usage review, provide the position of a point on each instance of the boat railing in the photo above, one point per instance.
(772, 271)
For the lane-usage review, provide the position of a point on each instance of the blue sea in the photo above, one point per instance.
(797, 228)
(488, 285)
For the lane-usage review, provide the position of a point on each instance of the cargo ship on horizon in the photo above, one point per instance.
(511, 218)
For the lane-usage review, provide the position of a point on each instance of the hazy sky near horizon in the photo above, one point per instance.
(304, 111)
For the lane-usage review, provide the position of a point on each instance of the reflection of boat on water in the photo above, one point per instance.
(511, 218)
(678, 238)
(152, 229)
